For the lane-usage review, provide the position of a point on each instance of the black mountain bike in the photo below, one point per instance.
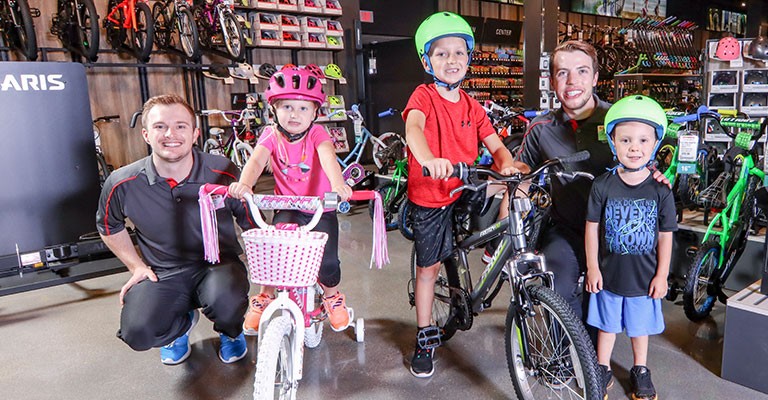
(172, 18)
(76, 23)
(17, 27)
(549, 353)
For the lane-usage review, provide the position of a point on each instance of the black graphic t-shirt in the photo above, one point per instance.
(630, 219)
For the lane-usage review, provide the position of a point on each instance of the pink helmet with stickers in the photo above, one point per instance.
(294, 84)
(728, 48)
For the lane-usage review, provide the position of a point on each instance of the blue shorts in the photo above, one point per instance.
(639, 316)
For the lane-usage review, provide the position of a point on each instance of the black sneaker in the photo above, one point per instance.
(606, 379)
(421, 363)
(641, 384)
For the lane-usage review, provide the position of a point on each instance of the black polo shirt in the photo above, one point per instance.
(166, 214)
(556, 135)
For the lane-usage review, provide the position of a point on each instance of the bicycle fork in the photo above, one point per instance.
(284, 305)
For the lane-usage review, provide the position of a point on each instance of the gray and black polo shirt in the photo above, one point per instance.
(555, 135)
(166, 214)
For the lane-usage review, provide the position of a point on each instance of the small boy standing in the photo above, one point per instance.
(635, 215)
(443, 126)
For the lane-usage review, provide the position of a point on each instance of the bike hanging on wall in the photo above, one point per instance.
(175, 27)
(17, 28)
(76, 23)
(217, 25)
(130, 27)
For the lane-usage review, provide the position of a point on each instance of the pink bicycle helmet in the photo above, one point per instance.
(294, 84)
(728, 48)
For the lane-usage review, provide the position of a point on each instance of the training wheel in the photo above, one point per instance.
(359, 330)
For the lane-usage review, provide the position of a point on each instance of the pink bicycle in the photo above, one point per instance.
(288, 257)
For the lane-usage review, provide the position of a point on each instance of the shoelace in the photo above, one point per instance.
(335, 301)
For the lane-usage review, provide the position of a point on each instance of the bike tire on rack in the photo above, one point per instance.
(698, 300)
(88, 33)
(244, 152)
(161, 20)
(25, 34)
(233, 37)
(275, 361)
(145, 33)
(189, 39)
(568, 365)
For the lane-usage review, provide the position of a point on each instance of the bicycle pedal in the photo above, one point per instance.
(429, 338)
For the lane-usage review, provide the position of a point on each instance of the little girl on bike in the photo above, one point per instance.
(303, 163)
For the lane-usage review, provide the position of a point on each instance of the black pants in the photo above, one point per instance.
(330, 269)
(156, 313)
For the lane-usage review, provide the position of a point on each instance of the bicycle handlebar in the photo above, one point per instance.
(106, 118)
(387, 113)
(134, 117)
(240, 114)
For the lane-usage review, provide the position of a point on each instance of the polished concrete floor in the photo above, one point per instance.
(59, 343)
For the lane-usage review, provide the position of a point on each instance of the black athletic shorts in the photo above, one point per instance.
(433, 233)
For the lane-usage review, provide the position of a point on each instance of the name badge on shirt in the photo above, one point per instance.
(601, 136)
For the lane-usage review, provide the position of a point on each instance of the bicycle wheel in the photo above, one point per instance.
(549, 354)
(404, 219)
(212, 146)
(274, 366)
(116, 35)
(103, 168)
(390, 199)
(233, 36)
(162, 25)
(244, 151)
(699, 294)
(26, 40)
(144, 35)
(664, 155)
(388, 148)
(188, 36)
(87, 29)
(313, 334)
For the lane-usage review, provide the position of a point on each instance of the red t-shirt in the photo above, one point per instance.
(453, 131)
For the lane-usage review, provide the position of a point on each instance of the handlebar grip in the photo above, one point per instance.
(363, 195)
(575, 157)
(458, 170)
(533, 113)
(355, 108)
(387, 113)
(686, 118)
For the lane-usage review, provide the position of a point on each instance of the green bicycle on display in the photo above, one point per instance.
(726, 236)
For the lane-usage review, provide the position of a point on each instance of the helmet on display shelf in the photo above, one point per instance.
(758, 49)
(266, 71)
(755, 100)
(721, 100)
(333, 71)
(294, 84)
(440, 25)
(753, 77)
(724, 78)
(728, 48)
(288, 66)
(315, 70)
(636, 108)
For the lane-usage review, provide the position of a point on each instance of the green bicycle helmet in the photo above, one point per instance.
(332, 71)
(636, 108)
(333, 41)
(437, 26)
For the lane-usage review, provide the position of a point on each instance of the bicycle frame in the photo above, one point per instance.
(129, 11)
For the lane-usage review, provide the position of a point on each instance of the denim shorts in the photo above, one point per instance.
(639, 316)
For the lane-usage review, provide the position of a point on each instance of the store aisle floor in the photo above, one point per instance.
(59, 343)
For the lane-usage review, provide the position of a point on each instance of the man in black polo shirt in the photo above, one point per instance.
(170, 281)
(576, 126)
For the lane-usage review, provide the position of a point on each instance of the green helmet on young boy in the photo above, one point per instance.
(636, 108)
(439, 25)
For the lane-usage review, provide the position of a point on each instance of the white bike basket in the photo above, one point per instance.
(289, 258)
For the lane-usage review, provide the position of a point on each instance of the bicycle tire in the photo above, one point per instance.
(274, 365)
(188, 36)
(161, 20)
(390, 199)
(116, 34)
(26, 39)
(698, 294)
(244, 151)
(212, 146)
(313, 334)
(103, 167)
(664, 155)
(405, 224)
(555, 367)
(87, 30)
(386, 161)
(233, 36)
(144, 35)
